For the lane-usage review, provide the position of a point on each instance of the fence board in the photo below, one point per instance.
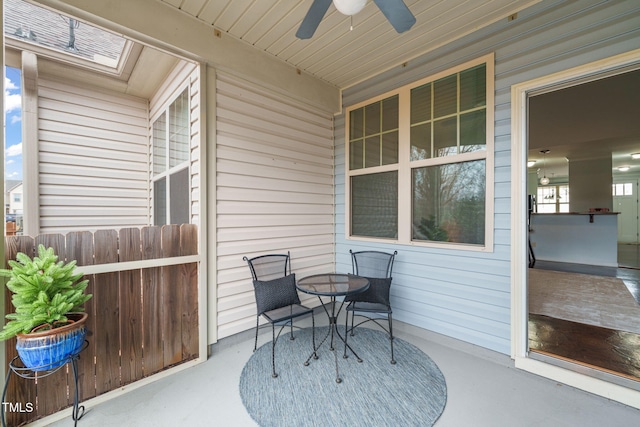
(152, 315)
(140, 322)
(171, 298)
(130, 307)
(189, 288)
(107, 313)
(80, 248)
(55, 241)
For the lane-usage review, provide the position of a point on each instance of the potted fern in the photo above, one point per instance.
(48, 321)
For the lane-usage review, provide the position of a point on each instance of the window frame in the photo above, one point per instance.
(169, 170)
(405, 166)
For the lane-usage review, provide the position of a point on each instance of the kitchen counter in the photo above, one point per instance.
(576, 237)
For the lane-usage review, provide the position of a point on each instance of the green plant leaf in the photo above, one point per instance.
(44, 290)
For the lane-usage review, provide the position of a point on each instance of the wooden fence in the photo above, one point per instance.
(141, 321)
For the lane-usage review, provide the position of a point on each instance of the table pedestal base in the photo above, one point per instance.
(333, 332)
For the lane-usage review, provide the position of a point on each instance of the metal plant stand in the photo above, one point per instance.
(16, 366)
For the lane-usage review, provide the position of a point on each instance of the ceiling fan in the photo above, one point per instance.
(396, 12)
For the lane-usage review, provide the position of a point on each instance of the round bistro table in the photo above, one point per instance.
(333, 285)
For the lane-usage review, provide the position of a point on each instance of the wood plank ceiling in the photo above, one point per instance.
(335, 54)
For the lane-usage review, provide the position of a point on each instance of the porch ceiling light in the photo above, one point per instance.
(349, 7)
(635, 156)
(624, 168)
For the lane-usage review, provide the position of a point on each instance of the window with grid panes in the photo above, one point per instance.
(445, 147)
(170, 154)
(622, 189)
(373, 143)
(553, 199)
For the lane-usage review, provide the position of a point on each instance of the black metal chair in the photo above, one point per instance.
(375, 266)
(277, 298)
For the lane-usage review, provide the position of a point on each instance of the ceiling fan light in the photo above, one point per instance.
(349, 7)
(635, 156)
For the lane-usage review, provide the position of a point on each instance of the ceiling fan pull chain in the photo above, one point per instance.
(351, 28)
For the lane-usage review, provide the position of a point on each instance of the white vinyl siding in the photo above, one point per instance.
(92, 155)
(274, 192)
(462, 294)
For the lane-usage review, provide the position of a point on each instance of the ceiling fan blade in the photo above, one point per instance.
(312, 19)
(397, 13)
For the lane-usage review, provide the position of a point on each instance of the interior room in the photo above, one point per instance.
(583, 181)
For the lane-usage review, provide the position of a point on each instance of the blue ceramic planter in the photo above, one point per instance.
(42, 351)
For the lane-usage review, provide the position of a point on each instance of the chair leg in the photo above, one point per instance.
(291, 337)
(255, 344)
(346, 334)
(393, 361)
(273, 351)
(313, 336)
(353, 314)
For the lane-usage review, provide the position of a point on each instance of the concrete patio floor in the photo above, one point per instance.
(484, 389)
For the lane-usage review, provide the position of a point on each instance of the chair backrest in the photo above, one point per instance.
(273, 283)
(372, 263)
(271, 266)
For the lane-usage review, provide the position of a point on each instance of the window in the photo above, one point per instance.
(373, 143)
(624, 189)
(170, 152)
(17, 197)
(424, 176)
(553, 199)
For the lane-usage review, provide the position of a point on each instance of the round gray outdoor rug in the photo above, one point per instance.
(412, 392)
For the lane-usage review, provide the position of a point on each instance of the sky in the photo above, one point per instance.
(13, 124)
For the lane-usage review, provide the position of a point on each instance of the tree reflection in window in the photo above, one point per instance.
(449, 202)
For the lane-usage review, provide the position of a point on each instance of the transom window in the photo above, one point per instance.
(420, 161)
(170, 152)
(622, 189)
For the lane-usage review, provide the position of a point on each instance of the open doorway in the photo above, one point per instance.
(583, 301)
(13, 205)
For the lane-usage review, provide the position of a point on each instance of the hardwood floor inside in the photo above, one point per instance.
(611, 351)
(615, 352)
